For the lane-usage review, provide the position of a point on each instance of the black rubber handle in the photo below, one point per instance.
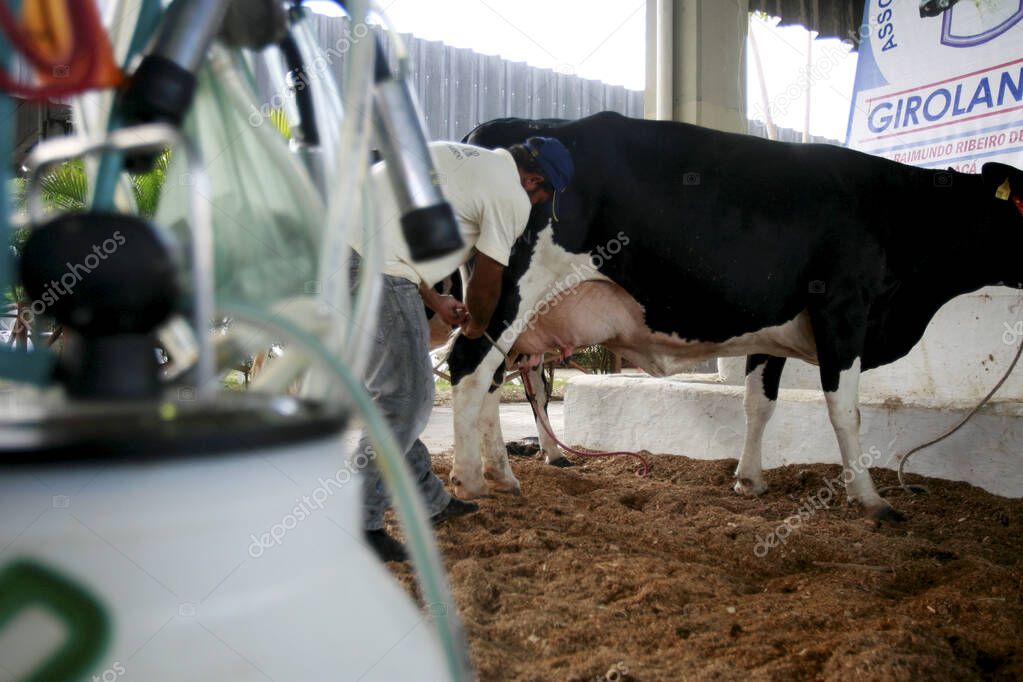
(431, 232)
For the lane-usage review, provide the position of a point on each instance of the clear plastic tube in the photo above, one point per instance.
(348, 177)
(361, 324)
(357, 339)
(349, 334)
(323, 86)
(108, 174)
(411, 513)
(228, 75)
(367, 301)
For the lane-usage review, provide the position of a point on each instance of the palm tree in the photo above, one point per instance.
(66, 187)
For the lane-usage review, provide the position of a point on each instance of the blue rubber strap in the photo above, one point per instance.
(33, 367)
(111, 163)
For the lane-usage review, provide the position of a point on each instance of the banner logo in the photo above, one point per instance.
(968, 24)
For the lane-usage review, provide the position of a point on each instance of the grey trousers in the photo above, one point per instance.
(399, 377)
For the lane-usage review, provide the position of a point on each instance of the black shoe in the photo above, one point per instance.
(455, 508)
(386, 547)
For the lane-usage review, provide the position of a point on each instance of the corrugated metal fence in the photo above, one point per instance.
(759, 129)
(458, 89)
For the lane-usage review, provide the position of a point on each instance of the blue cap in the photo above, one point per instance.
(554, 159)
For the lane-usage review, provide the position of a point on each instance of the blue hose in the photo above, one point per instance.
(111, 163)
(6, 149)
(34, 367)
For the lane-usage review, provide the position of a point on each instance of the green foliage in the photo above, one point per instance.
(147, 187)
(280, 121)
(66, 188)
(595, 358)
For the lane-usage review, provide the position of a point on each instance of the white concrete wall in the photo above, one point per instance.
(707, 421)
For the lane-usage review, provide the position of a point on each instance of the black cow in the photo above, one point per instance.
(503, 132)
(697, 243)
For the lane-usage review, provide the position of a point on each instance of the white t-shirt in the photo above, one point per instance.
(489, 202)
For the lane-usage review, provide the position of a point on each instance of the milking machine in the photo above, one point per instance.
(153, 524)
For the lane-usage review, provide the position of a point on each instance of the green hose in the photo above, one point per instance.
(408, 505)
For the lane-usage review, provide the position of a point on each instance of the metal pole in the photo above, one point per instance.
(772, 131)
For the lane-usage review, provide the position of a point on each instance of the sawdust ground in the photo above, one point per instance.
(596, 574)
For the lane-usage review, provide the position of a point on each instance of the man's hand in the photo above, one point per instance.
(450, 309)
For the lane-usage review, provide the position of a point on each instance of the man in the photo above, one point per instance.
(491, 192)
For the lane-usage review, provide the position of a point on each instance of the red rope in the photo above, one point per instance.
(644, 468)
(17, 36)
(83, 60)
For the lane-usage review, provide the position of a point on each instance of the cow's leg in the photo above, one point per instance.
(844, 411)
(763, 374)
(839, 349)
(551, 452)
(496, 470)
(469, 393)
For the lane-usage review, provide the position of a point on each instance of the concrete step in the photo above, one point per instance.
(696, 417)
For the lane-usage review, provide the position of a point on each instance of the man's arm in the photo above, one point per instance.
(449, 308)
(481, 294)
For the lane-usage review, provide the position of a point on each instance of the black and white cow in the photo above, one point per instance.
(441, 336)
(702, 244)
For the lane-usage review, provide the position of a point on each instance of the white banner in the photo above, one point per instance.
(939, 83)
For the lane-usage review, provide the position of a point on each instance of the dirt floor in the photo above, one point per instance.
(596, 574)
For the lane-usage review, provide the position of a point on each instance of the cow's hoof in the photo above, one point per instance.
(560, 462)
(522, 448)
(463, 491)
(885, 513)
(512, 487)
(748, 487)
